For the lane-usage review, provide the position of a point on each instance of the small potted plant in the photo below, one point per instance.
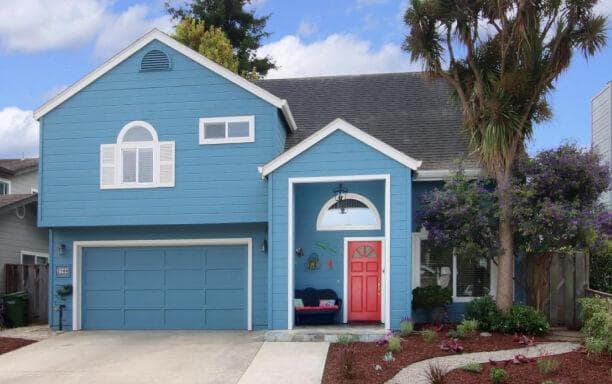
(433, 300)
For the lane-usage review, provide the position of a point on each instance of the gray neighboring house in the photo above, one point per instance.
(601, 130)
(21, 241)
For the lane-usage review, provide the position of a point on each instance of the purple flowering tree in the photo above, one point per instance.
(463, 215)
(556, 209)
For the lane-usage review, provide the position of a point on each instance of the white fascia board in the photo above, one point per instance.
(443, 174)
(349, 129)
(156, 34)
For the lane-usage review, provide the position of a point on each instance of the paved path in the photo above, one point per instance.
(30, 332)
(415, 373)
(287, 363)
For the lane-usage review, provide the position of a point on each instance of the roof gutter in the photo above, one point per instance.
(288, 115)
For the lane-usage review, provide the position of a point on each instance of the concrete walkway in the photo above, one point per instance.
(31, 332)
(415, 373)
(287, 363)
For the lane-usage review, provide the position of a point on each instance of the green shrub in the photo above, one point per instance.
(406, 328)
(547, 366)
(345, 339)
(473, 368)
(498, 375)
(394, 344)
(597, 320)
(465, 329)
(595, 347)
(470, 326)
(430, 297)
(429, 335)
(485, 311)
(525, 319)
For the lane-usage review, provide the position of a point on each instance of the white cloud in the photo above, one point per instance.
(44, 25)
(18, 133)
(39, 25)
(307, 28)
(121, 30)
(337, 54)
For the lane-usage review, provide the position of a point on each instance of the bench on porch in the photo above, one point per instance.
(315, 312)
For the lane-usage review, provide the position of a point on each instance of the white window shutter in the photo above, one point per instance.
(108, 165)
(166, 163)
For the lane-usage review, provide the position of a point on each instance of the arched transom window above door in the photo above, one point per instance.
(137, 160)
(355, 212)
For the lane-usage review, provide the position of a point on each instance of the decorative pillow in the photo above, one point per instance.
(298, 303)
(327, 303)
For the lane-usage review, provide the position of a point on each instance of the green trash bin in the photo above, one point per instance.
(16, 308)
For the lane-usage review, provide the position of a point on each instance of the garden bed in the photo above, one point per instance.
(8, 344)
(574, 367)
(364, 357)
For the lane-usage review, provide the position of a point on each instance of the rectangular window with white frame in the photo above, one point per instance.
(34, 258)
(227, 130)
(467, 277)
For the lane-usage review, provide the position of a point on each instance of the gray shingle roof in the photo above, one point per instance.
(11, 201)
(405, 110)
(15, 166)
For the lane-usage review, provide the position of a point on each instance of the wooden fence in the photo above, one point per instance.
(568, 281)
(33, 279)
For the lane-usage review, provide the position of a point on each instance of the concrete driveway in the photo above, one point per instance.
(133, 357)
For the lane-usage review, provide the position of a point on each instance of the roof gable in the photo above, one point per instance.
(156, 35)
(339, 125)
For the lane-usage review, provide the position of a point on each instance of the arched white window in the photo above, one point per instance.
(138, 147)
(137, 160)
(357, 212)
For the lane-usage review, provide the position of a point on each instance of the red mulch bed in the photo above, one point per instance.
(575, 368)
(365, 356)
(8, 344)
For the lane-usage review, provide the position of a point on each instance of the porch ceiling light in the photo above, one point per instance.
(341, 198)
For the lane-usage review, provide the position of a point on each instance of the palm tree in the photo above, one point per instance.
(502, 59)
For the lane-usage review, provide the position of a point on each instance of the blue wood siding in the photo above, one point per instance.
(66, 236)
(214, 183)
(341, 155)
(309, 198)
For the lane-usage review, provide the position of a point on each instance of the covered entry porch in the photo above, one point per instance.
(339, 237)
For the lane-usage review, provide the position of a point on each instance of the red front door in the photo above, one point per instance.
(364, 280)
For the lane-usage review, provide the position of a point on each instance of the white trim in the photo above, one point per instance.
(137, 123)
(349, 129)
(226, 120)
(443, 174)
(163, 38)
(8, 182)
(348, 227)
(77, 247)
(290, 236)
(417, 238)
(345, 275)
(30, 253)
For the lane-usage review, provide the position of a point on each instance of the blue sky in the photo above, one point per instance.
(60, 41)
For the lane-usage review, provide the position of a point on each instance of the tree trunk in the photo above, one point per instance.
(505, 263)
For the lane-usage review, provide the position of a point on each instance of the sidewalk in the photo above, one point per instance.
(286, 363)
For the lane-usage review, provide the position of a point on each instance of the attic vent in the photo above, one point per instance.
(155, 60)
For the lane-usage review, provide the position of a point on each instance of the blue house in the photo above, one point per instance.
(179, 195)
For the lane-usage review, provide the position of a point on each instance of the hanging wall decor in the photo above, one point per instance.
(312, 264)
